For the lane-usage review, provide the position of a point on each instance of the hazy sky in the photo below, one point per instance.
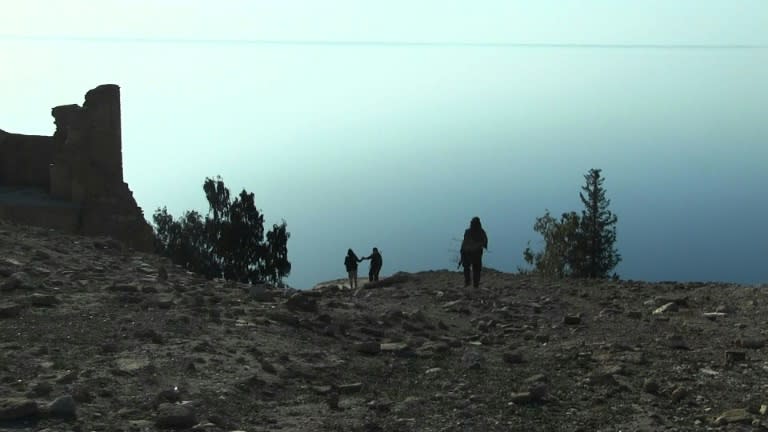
(398, 146)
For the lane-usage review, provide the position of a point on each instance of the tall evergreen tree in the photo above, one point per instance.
(597, 233)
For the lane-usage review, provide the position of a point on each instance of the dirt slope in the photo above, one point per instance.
(96, 338)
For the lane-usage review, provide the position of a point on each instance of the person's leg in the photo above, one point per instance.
(371, 275)
(354, 273)
(376, 273)
(349, 273)
(477, 265)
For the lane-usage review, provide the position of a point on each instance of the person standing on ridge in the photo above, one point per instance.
(475, 240)
(376, 262)
(350, 262)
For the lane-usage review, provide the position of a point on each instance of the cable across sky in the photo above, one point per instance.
(370, 43)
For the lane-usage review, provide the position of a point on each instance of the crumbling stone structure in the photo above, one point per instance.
(73, 180)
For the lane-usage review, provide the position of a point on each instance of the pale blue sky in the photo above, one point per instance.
(399, 146)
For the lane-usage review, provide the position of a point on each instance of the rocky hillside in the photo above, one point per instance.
(96, 338)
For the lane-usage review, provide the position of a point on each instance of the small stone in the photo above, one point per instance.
(472, 359)
(572, 320)
(679, 394)
(520, 398)
(42, 388)
(350, 388)
(738, 415)
(368, 347)
(651, 386)
(173, 416)
(162, 273)
(513, 357)
(43, 300)
(63, 407)
(752, 342)
(10, 310)
(538, 391)
(17, 408)
(260, 293)
(14, 282)
(393, 346)
(668, 307)
(301, 302)
(677, 342)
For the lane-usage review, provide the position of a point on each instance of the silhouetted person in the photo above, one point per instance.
(376, 262)
(350, 262)
(475, 240)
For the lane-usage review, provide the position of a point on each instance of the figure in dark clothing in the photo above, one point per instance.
(350, 262)
(376, 262)
(475, 240)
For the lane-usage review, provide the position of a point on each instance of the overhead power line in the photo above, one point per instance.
(368, 43)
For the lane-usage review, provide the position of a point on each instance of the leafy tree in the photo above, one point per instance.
(560, 254)
(228, 242)
(598, 229)
(578, 246)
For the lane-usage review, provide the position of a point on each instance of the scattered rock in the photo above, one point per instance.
(668, 307)
(62, 407)
(572, 319)
(10, 310)
(513, 357)
(472, 359)
(260, 293)
(162, 273)
(350, 388)
(752, 342)
(679, 394)
(174, 416)
(738, 415)
(520, 398)
(393, 346)
(677, 342)
(43, 300)
(17, 408)
(301, 302)
(651, 386)
(369, 348)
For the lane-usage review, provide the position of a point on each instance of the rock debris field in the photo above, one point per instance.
(94, 337)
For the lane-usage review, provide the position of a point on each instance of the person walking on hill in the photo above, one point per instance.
(475, 240)
(376, 262)
(350, 262)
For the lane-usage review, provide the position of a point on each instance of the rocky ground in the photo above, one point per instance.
(96, 338)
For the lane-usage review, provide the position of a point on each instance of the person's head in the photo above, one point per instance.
(474, 224)
(375, 250)
(349, 252)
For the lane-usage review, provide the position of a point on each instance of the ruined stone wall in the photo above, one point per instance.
(60, 218)
(80, 164)
(25, 159)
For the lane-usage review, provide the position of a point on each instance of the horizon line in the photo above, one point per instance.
(372, 43)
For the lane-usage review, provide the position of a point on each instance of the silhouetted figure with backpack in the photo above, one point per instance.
(376, 263)
(350, 262)
(475, 240)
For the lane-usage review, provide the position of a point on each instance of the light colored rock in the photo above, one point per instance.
(738, 415)
(393, 346)
(668, 307)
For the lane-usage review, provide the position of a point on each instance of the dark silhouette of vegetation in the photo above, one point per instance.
(229, 242)
(598, 229)
(578, 245)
